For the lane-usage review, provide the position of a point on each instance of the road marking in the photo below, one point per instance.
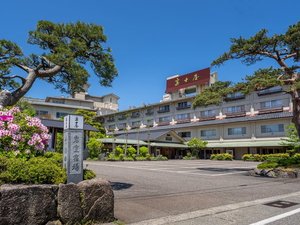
(278, 217)
(211, 211)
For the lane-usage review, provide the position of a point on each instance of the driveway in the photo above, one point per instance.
(153, 190)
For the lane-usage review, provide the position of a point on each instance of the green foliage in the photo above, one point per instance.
(189, 156)
(119, 150)
(65, 52)
(292, 140)
(90, 118)
(59, 142)
(159, 158)
(222, 156)
(267, 165)
(26, 107)
(196, 145)
(131, 151)
(261, 158)
(94, 147)
(88, 174)
(37, 170)
(143, 151)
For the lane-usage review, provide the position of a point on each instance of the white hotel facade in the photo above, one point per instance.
(254, 123)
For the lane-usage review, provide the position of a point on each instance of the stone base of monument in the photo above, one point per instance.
(87, 201)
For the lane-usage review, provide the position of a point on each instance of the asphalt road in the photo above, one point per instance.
(197, 192)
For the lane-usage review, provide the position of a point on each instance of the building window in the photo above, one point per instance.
(185, 116)
(274, 128)
(271, 90)
(271, 104)
(136, 124)
(61, 114)
(208, 113)
(237, 131)
(163, 109)
(185, 134)
(111, 127)
(208, 133)
(149, 112)
(164, 119)
(234, 96)
(59, 101)
(150, 122)
(135, 114)
(41, 112)
(183, 105)
(111, 119)
(122, 126)
(234, 109)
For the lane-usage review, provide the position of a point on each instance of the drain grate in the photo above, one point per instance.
(281, 204)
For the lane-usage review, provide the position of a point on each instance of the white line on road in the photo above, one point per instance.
(278, 217)
(212, 211)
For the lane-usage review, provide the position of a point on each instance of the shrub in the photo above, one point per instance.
(88, 174)
(131, 151)
(143, 151)
(119, 150)
(140, 158)
(128, 159)
(38, 170)
(55, 157)
(148, 156)
(121, 157)
(94, 147)
(267, 165)
(20, 132)
(159, 158)
(222, 156)
(261, 158)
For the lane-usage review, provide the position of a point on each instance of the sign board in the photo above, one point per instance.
(73, 148)
(73, 122)
(199, 77)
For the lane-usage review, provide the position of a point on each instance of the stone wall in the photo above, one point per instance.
(91, 200)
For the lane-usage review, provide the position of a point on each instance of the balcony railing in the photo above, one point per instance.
(163, 111)
(183, 107)
(235, 114)
(135, 115)
(270, 110)
(122, 118)
(179, 121)
(149, 113)
(205, 118)
(110, 120)
(163, 123)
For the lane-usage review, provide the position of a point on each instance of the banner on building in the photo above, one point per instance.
(199, 77)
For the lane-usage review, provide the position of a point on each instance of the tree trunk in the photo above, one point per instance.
(296, 109)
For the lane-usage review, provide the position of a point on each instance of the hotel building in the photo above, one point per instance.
(253, 123)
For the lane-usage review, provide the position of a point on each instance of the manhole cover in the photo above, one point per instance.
(281, 204)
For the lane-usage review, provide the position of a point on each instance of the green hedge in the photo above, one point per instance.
(222, 156)
(261, 158)
(283, 161)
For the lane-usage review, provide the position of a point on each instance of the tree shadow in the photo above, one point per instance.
(117, 186)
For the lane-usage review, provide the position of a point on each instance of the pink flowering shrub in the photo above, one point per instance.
(22, 133)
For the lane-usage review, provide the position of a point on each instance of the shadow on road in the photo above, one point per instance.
(223, 169)
(117, 186)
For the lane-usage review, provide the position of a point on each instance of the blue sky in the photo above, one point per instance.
(154, 39)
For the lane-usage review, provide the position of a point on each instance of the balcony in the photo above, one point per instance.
(135, 115)
(110, 120)
(270, 110)
(180, 121)
(268, 91)
(235, 114)
(163, 123)
(206, 118)
(149, 113)
(183, 107)
(122, 118)
(45, 116)
(163, 110)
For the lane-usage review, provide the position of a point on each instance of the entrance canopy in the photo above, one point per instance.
(122, 141)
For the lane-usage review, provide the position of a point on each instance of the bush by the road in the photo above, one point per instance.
(261, 158)
(222, 156)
